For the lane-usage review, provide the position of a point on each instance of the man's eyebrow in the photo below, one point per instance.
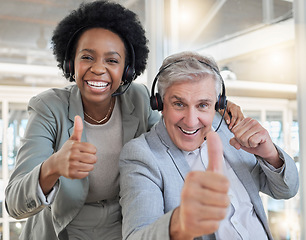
(208, 100)
(177, 98)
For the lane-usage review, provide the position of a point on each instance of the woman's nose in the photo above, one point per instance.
(98, 68)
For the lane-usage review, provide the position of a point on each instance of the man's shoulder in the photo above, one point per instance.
(143, 142)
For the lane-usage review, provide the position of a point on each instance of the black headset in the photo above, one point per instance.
(156, 100)
(129, 72)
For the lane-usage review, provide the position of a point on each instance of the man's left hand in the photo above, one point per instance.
(254, 138)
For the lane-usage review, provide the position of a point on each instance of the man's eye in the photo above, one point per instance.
(178, 104)
(203, 105)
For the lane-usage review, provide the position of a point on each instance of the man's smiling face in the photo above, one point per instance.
(189, 109)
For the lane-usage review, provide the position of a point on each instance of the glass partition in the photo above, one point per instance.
(18, 118)
(283, 215)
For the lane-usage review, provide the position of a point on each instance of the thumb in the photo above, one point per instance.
(78, 129)
(215, 153)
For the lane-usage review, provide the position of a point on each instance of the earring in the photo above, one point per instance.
(122, 83)
(73, 76)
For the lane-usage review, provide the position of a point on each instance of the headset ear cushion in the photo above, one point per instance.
(156, 102)
(128, 75)
(68, 68)
(221, 103)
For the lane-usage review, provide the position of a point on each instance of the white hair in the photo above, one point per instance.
(187, 66)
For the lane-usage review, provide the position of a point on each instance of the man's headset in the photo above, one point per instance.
(157, 102)
(129, 71)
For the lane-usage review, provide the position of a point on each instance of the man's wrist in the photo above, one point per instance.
(175, 231)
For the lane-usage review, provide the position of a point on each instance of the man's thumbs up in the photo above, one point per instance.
(78, 129)
(215, 153)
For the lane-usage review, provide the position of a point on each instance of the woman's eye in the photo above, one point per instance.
(86, 57)
(113, 61)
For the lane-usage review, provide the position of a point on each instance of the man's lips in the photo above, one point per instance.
(97, 84)
(189, 132)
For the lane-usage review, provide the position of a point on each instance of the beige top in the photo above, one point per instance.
(104, 179)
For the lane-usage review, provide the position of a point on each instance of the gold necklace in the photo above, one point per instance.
(107, 115)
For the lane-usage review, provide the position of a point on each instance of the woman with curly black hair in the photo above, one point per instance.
(66, 177)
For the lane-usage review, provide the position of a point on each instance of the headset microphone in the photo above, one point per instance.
(120, 93)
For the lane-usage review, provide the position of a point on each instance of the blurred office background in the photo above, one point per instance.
(260, 46)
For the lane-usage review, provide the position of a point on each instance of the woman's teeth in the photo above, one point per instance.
(97, 85)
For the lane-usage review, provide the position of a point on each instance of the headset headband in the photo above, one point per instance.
(156, 101)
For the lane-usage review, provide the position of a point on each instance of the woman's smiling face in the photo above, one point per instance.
(99, 64)
(188, 111)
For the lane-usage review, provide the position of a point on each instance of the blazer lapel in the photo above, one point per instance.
(75, 108)
(236, 159)
(130, 122)
(177, 158)
(175, 154)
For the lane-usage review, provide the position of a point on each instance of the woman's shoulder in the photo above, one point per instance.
(54, 97)
(138, 93)
(138, 89)
(53, 94)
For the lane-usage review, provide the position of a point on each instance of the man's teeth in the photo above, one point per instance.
(97, 84)
(189, 132)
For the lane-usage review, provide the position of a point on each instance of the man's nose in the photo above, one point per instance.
(191, 117)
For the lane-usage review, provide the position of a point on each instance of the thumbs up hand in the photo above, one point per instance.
(215, 153)
(76, 159)
(204, 198)
(77, 129)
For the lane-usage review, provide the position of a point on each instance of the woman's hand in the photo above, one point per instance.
(74, 160)
(233, 114)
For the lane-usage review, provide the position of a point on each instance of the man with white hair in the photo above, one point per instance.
(180, 181)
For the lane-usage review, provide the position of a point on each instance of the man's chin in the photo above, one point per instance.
(189, 148)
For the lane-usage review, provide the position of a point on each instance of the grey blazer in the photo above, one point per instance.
(152, 172)
(49, 126)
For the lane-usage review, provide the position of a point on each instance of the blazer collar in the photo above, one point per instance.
(237, 160)
(130, 121)
(173, 151)
(75, 108)
(235, 157)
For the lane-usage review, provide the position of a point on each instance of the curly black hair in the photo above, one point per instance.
(104, 14)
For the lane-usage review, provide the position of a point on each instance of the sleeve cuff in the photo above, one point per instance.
(47, 199)
(269, 166)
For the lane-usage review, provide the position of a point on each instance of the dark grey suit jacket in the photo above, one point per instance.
(50, 125)
(152, 172)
